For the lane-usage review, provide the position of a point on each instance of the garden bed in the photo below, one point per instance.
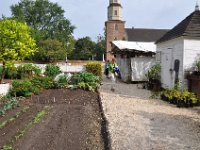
(73, 121)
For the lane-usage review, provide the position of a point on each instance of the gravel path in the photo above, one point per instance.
(136, 122)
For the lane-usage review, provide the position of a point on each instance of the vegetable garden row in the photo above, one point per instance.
(44, 107)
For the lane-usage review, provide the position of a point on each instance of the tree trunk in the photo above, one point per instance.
(3, 73)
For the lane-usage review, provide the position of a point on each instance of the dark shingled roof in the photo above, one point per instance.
(189, 27)
(144, 35)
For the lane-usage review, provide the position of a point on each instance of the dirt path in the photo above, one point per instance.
(73, 122)
(138, 123)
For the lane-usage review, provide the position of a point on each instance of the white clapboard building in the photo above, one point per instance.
(179, 49)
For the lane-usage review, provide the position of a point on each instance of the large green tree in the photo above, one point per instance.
(50, 51)
(16, 43)
(83, 49)
(46, 18)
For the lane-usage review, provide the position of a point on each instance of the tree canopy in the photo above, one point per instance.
(86, 49)
(100, 48)
(49, 26)
(46, 18)
(50, 51)
(16, 42)
(83, 49)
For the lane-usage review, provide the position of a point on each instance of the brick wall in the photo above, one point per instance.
(115, 30)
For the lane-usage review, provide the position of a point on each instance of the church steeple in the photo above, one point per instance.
(115, 26)
(115, 10)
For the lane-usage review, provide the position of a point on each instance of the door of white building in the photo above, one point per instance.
(167, 73)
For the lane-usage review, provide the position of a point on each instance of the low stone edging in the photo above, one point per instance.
(4, 89)
(104, 127)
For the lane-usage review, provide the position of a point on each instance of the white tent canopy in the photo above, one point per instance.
(139, 46)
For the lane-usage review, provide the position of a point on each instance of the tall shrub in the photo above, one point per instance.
(94, 68)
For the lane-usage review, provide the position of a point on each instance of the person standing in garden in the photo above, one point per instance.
(111, 71)
(106, 71)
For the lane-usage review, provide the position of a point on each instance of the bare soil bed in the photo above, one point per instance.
(73, 121)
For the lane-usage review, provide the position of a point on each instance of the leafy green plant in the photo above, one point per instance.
(180, 98)
(94, 68)
(154, 72)
(10, 104)
(48, 83)
(5, 98)
(85, 77)
(28, 71)
(63, 81)
(11, 72)
(153, 76)
(90, 86)
(6, 147)
(22, 88)
(40, 83)
(52, 70)
(86, 81)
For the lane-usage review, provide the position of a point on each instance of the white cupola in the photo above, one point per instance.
(115, 10)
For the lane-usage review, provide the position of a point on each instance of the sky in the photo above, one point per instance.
(89, 16)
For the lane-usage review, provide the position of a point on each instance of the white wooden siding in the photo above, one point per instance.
(191, 53)
(191, 56)
(170, 51)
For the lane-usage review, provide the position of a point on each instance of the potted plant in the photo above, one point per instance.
(153, 76)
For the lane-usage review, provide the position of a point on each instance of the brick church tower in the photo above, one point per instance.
(115, 27)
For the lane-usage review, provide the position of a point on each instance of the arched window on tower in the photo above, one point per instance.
(116, 27)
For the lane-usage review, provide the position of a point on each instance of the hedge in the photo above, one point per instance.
(94, 68)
